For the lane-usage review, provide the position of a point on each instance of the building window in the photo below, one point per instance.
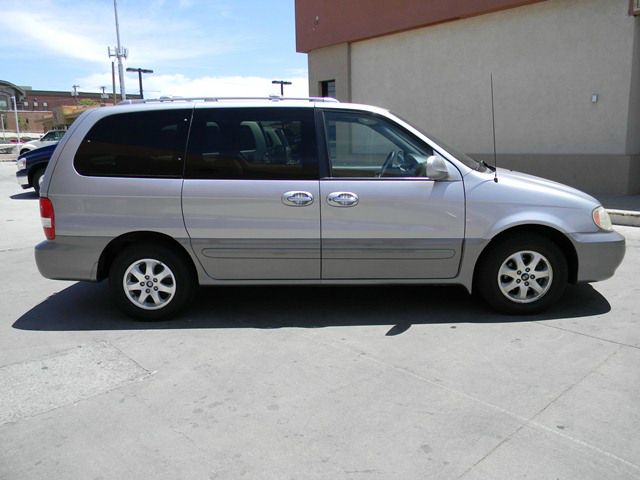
(25, 105)
(328, 88)
(45, 104)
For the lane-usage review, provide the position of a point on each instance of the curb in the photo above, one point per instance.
(627, 218)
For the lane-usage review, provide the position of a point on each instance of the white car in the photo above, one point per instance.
(49, 138)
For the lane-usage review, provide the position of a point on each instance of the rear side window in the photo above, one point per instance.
(252, 143)
(139, 144)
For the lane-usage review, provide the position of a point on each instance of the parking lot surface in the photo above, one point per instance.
(402, 382)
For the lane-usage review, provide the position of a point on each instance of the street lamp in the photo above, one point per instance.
(15, 107)
(282, 84)
(140, 72)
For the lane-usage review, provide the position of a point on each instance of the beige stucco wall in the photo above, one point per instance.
(331, 63)
(547, 60)
(633, 130)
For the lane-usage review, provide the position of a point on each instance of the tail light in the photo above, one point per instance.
(48, 219)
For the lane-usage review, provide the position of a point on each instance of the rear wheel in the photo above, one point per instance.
(522, 274)
(36, 179)
(150, 282)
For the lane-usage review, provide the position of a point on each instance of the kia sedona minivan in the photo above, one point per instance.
(162, 196)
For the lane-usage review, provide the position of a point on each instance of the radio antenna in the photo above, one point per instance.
(493, 126)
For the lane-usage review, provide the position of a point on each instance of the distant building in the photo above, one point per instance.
(566, 77)
(40, 110)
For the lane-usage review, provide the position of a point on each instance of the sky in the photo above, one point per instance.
(195, 47)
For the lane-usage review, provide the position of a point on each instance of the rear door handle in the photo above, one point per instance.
(342, 199)
(297, 198)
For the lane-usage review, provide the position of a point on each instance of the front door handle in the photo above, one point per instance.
(297, 198)
(342, 199)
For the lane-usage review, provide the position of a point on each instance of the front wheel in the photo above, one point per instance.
(522, 274)
(151, 282)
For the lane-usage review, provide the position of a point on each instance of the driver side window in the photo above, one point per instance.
(366, 145)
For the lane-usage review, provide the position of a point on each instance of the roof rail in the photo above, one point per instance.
(272, 98)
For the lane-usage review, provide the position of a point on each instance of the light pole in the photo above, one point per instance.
(15, 106)
(282, 84)
(74, 93)
(140, 72)
(120, 53)
(104, 96)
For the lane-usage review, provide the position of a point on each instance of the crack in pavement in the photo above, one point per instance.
(542, 324)
(524, 421)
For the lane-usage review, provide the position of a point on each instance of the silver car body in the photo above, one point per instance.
(410, 230)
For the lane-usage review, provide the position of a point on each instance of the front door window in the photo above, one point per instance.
(366, 146)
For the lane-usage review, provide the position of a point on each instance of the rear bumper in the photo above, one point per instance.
(22, 177)
(599, 254)
(70, 258)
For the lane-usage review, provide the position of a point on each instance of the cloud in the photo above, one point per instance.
(83, 30)
(207, 86)
(50, 35)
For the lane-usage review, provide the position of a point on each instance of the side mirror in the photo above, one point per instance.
(437, 168)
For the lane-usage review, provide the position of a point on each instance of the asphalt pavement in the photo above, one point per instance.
(402, 382)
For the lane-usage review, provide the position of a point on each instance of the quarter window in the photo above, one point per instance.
(366, 145)
(252, 143)
(139, 144)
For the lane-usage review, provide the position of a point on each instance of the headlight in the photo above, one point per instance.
(21, 164)
(601, 219)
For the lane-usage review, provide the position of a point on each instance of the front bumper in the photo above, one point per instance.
(599, 254)
(22, 177)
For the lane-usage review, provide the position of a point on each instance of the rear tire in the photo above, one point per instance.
(522, 274)
(151, 282)
(36, 180)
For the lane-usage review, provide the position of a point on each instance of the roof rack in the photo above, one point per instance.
(272, 98)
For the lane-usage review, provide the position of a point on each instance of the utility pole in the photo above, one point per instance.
(282, 84)
(120, 53)
(140, 72)
(113, 81)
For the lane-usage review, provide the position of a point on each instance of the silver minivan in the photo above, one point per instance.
(160, 196)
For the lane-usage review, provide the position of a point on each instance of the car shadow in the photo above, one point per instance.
(32, 195)
(87, 306)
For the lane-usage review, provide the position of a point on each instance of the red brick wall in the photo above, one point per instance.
(321, 23)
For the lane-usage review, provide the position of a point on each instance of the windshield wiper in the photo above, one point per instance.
(486, 165)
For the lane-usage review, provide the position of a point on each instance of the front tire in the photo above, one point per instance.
(522, 274)
(150, 282)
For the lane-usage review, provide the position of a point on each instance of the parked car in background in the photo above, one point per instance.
(161, 196)
(49, 138)
(31, 166)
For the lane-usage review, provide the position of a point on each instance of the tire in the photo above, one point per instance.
(169, 282)
(36, 179)
(522, 274)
